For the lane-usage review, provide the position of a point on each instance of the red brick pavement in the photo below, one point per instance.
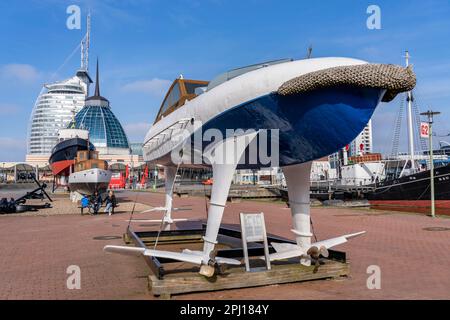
(35, 252)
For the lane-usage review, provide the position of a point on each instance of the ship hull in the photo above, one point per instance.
(416, 206)
(61, 168)
(88, 181)
(311, 123)
(415, 187)
(64, 153)
(309, 126)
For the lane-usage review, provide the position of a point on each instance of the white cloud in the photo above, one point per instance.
(137, 130)
(21, 72)
(156, 87)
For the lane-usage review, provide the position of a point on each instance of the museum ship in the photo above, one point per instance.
(90, 173)
(406, 182)
(411, 192)
(64, 153)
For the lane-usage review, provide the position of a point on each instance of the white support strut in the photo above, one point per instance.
(170, 174)
(297, 180)
(224, 159)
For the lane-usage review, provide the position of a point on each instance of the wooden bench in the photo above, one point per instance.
(82, 208)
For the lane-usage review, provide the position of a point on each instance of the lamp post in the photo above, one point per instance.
(430, 114)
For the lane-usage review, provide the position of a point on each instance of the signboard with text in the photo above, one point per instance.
(424, 130)
(253, 225)
(253, 229)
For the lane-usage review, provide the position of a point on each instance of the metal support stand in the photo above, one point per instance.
(146, 239)
(168, 279)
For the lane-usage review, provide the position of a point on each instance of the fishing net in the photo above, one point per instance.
(395, 79)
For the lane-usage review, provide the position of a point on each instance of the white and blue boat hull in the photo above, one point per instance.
(310, 125)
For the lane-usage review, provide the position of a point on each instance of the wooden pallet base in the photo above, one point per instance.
(236, 277)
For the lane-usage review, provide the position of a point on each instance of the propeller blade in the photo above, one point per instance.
(192, 256)
(281, 247)
(178, 256)
(285, 254)
(234, 262)
(189, 251)
(329, 243)
(324, 252)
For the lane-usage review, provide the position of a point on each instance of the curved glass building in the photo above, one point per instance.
(54, 110)
(105, 131)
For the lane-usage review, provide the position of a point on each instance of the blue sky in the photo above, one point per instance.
(144, 44)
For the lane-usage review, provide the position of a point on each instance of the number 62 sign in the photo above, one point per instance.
(424, 130)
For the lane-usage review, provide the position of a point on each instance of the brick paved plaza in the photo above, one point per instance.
(36, 250)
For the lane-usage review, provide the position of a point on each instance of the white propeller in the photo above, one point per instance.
(320, 248)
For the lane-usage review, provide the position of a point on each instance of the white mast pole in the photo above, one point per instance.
(82, 55)
(410, 122)
(88, 41)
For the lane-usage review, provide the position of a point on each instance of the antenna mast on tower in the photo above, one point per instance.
(85, 43)
(88, 41)
(82, 55)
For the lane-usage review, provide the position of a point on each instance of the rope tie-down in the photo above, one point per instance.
(395, 79)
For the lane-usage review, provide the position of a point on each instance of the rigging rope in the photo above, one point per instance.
(312, 228)
(132, 212)
(65, 61)
(415, 106)
(397, 128)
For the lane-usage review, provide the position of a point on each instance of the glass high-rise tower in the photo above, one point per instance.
(54, 110)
